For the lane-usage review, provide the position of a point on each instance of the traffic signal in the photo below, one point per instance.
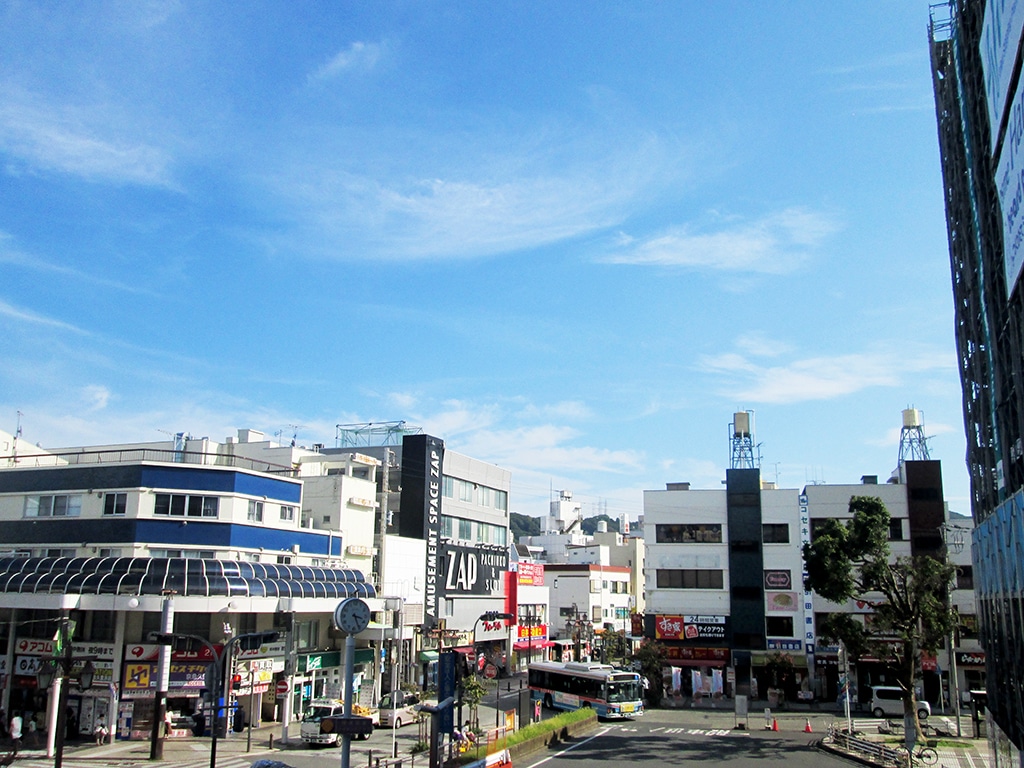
(236, 682)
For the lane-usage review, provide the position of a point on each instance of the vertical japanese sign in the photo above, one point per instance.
(808, 599)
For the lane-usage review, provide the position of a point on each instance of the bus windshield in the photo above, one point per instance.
(623, 692)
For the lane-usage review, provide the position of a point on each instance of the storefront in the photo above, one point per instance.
(84, 706)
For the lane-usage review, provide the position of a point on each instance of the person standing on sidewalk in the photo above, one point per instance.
(15, 733)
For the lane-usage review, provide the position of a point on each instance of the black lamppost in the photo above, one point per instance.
(59, 669)
(579, 628)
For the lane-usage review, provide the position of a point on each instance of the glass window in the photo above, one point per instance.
(501, 500)
(255, 511)
(965, 577)
(68, 505)
(775, 533)
(688, 533)
(287, 512)
(465, 491)
(896, 529)
(448, 487)
(690, 578)
(115, 503)
(484, 496)
(465, 529)
(778, 626)
(446, 526)
(176, 505)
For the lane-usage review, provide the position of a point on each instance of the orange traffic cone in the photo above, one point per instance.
(775, 724)
(807, 726)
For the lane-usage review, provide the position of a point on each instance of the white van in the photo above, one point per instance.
(887, 701)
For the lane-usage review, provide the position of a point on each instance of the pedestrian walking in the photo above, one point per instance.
(15, 732)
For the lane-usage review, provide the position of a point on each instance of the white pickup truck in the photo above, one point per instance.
(311, 729)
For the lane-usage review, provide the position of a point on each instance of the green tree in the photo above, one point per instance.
(472, 693)
(523, 525)
(851, 561)
(651, 654)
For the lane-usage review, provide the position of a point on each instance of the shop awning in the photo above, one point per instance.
(428, 656)
(525, 645)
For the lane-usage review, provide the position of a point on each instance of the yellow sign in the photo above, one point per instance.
(137, 676)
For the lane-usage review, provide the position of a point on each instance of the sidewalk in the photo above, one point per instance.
(954, 752)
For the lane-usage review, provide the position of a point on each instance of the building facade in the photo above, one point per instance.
(976, 58)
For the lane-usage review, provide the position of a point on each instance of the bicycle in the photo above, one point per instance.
(923, 754)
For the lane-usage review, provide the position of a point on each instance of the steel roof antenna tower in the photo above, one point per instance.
(913, 443)
(746, 454)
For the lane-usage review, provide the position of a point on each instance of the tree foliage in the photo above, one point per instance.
(651, 655)
(523, 525)
(907, 595)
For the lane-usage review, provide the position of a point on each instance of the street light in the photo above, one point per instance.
(579, 629)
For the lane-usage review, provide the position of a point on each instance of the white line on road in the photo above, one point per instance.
(569, 748)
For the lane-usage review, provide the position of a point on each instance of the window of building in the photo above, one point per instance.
(688, 533)
(110, 552)
(465, 529)
(255, 511)
(284, 560)
(65, 505)
(778, 626)
(115, 503)
(501, 500)
(690, 578)
(775, 533)
(465, 491)
(287, 512)
(965, 577)
(59, 552)
(483, 496)
(896, 529)
(198, 554)
(448, 487)
(446, 526)
(179, 504)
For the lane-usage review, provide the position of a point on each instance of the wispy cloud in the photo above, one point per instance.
(465, 197)
(11, 254)
(775, 244)
(358, 56)
(77, 141)
(27, 316)
(820, 377)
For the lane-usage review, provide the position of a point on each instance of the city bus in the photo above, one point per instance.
(608, 691)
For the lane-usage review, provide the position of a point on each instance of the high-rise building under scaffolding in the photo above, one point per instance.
(979, 97)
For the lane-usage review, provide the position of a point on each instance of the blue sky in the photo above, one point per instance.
(569, 238)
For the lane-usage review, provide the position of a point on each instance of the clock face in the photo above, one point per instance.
(352, 616)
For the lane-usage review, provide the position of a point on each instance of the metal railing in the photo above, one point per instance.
(141, 455)
(872, 750)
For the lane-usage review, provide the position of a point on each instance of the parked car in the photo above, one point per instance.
(397, 708)
(887, 701)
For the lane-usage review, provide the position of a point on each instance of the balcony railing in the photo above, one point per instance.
(143, 455)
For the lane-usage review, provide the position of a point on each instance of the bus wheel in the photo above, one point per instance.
(547, 701)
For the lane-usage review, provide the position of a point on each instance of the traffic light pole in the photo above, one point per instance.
(163, 673)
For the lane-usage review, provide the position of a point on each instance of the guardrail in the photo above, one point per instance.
(874, 751)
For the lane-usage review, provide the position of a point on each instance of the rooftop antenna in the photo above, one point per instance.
(913, 443)
(295, 432)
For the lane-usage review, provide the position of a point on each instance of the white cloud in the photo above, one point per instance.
(358, 55)
(775, 244)
(818, 378)
(27, 316)
(96, 397)
(77, 141)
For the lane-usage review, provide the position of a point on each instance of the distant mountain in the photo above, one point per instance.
(522, 525)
